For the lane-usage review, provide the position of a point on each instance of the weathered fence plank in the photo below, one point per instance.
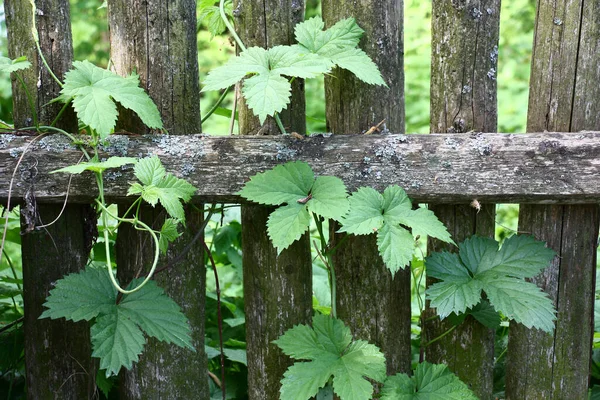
(277, 289)
(563, 96)
(374, 305)
(57, 353)
(440, 168)
(157, 39)
(463, 98)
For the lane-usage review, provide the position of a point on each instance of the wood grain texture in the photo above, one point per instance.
(375, 305)
(463, 98)
(277, 288)
(435, 168)
(157, 39)
(563, 96)
(57, 353)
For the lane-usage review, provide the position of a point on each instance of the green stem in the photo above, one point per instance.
(432, 341)
(37, 45)
(29, 98)
(279, 124)
(417, 291)
(216, 105)
(60, 113)
(134, 221)
(330, 266)
(229, 26)
(12, 268)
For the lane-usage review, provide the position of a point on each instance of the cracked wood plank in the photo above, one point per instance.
(438, 168)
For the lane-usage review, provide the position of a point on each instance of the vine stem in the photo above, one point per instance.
(432, 341)
(133, 221)
(216, 105)
(328, 263)
(229, 26)
(219, 317)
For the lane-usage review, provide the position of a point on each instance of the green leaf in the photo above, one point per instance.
(7, 65)
(117, 341)
(116, 334)
(81, 296)
(97, 166)
(149, 170)
(430, 382)
(366, 212)
(396, 246)
(372, 212)
(331, 351)
(7, 292)
(329, 198)
(160, 186)
(338, 45)
(297, 61)
(157, 314)
(209, 15)
(168, 233)
(267, 94)
(285, 183)
(254, 60)
(481, 267)
(94, 91)
(267, 91)
(287, 224)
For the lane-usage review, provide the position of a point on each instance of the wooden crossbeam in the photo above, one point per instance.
(437, 168)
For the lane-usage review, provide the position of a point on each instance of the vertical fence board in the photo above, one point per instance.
(463, 98)
(157, 39)
(564, 95)
(374, 305)
(57, 353)
(277, 289)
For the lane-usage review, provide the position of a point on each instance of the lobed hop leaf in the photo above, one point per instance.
(94, 92)
(117, 331)
(388, 215)
(331, 352)
(294, 185)
(482, 267)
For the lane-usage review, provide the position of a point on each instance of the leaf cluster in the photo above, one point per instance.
(210, 16)
(266, 88)
(94, 91)
(118, 327)
(331, 353)
(481, 267)
(294, 184)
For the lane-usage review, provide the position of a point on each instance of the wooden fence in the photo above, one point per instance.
(554, 174)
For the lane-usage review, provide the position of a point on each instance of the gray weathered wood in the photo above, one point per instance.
(375, 305)
(57, 353)
(157, 39)
(277, 289)
(440, 168)
(463, 98)
(563, 96)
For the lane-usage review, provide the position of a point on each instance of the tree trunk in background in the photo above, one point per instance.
(463, 98)
(564, 95)
(277, 289)
(157, 39)
(57, 353)
(374, 304)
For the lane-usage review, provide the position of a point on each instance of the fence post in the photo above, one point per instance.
(463, 98)
(374, 305)
(277, 289)
(158, 40)
(564, 96)
(57, 353)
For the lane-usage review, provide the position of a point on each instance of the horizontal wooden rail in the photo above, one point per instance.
(437, 168)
